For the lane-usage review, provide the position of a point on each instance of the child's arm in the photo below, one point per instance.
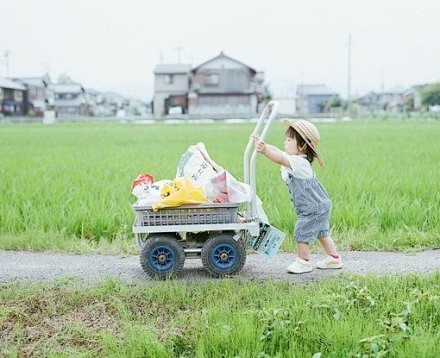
(271, 152)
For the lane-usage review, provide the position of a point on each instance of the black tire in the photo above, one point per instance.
(223, 256)
(162, 256)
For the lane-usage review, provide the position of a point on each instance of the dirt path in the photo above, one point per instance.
(44, 266)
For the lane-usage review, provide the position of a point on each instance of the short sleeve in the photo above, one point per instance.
(299, 166)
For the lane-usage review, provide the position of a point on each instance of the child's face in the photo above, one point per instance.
(291, 146)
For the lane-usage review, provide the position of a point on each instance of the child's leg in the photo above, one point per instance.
(302, 249)
(328, 245)
(333, 260)
(301, 264)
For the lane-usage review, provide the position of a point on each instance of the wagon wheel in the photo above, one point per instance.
(141, 239)
(222, 255)
(162, 256)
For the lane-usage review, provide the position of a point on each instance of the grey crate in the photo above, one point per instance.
(187, 215)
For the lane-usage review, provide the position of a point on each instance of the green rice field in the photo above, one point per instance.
(67, 186)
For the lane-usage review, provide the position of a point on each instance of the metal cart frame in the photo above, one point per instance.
(216, 233)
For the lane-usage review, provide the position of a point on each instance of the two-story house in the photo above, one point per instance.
(225, 87)
(171, 87)
(11, 98)
(221, 87)
(38, 96)
(70, 100)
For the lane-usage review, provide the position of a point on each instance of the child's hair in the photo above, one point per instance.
(292, 133)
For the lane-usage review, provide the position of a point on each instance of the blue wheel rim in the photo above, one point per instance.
(223, 256)
(162, 258)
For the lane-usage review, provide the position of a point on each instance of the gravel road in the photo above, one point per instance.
(46, 266)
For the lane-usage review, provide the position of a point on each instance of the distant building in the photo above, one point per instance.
(220, 87)
(390, 100)
(12, 96)
(114, 104)
(286, 107)
(38, 96)
(223, 87)
(70, 100)
(171, 87)
(312, 98)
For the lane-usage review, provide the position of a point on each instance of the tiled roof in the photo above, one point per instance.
(66, 87)
(5, 83)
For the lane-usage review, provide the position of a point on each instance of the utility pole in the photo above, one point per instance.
(349, 75)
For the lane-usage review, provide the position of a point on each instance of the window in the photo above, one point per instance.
(168, 79)
(18, 95)
(212, 79)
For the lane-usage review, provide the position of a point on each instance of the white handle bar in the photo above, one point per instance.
(249, 161)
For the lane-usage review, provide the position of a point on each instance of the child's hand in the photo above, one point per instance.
(260, 146)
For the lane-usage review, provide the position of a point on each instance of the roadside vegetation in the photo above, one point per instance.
(343, 317)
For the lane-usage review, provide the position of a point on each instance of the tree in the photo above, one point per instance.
(431, 94)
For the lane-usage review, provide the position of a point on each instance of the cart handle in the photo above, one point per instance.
(249, 161)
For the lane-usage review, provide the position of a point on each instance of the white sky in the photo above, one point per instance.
(115, 44)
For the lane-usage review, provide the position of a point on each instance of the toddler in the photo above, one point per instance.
(310, 200)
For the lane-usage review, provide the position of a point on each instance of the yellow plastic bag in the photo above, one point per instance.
(182, 192)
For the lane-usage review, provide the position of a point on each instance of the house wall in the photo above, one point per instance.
(11, 101)
(163, 91)
(180, 83)
(218, 106)
(231, 76)
(223, 87)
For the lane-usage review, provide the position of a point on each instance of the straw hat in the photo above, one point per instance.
(309, 133)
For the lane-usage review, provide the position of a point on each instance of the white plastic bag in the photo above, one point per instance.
(197, 165)
(224, 188)
(151, 194)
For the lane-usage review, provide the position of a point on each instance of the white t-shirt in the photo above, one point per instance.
(299, 167)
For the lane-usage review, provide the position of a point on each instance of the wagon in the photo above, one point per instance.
(217, 233)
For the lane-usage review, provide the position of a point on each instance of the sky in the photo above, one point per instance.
(114, 45)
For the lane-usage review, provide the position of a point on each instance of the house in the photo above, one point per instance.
(286, 107)
(12, 96)
(70, 100)
(171, 87)
(391, 100)
(94, 101)
(412, 98)
(114, 104)
(225, 87)
(38, 97)
(221, 87)
(312, 98)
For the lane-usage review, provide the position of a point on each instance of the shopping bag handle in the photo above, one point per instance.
(249, 160)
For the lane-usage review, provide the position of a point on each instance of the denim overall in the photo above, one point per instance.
(313, 207)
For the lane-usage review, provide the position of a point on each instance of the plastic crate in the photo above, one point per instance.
(187, 214)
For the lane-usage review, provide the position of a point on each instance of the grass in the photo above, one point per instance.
(67, 186)
(345, 317)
